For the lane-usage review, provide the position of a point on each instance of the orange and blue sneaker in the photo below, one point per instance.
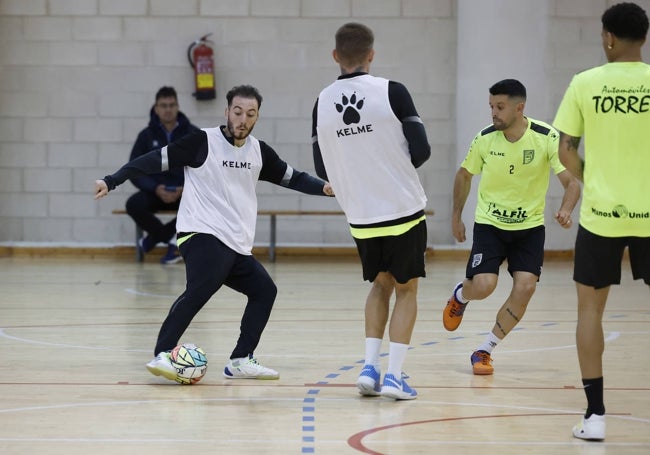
(481, 363)
(452, 315)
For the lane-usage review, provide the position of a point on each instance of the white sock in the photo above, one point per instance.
(396, 356)
(489, 343)
(373, 348)
(459, 295)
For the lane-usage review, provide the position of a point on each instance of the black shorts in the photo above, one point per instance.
(524, 250)
(401, 255)
(598, 259)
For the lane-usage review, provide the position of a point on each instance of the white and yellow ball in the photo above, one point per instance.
(190, 362)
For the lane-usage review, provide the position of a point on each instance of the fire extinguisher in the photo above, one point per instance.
(200, 56)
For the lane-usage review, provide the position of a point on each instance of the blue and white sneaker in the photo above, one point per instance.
(369, 381)
(173, 256)
(248, 368)
(397, 389)
(145, 244)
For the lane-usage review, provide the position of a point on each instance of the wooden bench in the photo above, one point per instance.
(272, 214)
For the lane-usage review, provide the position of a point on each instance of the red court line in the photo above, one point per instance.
(356, 440)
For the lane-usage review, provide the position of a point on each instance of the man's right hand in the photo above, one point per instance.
(458, 229)
(168, 197)
(101, 189)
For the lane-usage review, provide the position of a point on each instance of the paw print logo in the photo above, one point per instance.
(350, 108)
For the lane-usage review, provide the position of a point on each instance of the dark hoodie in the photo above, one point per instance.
(154, 137)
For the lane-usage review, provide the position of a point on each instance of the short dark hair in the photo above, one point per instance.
(627, 21)
(166, 92)
(245, 91)
(511, 87)
(353, 42)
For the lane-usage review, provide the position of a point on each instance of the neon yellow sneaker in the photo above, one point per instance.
(161, 365)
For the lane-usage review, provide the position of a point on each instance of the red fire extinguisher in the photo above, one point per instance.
(200, 56)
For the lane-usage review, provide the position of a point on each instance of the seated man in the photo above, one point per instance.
(160, 191)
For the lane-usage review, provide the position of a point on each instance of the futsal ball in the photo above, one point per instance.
(190, 363)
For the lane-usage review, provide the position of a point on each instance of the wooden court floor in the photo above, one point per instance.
(76, 333)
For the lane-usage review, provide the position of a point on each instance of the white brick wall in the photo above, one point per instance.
(96, 28)
(12, 180)
(72, 156)
(22, 155)
(224, 8)
(79, 77)
(48, 130)
(275, 8)
(19, 205)
(48, 180)
(11, 129)
(123, 7)
(23, 7)
(376, 8)
(174, 7)
(44, 28)
(73, 7)
(427, 8)
(331, 8)
(580, 8)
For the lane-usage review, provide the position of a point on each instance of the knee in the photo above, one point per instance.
(139, 202)
(134, 203)
(130, 204)
(267, 289)
(272, 290)
(526, 289)
(384, 284)
(482, 286)
(407, 290)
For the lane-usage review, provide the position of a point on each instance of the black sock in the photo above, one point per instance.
(594, 393)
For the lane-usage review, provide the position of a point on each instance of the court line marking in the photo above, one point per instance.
(308, 430)
(356, 440)
(3, 334)
(122, 403)
(148, 294)
(610, 337)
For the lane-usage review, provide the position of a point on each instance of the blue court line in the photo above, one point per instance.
(308, 439)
